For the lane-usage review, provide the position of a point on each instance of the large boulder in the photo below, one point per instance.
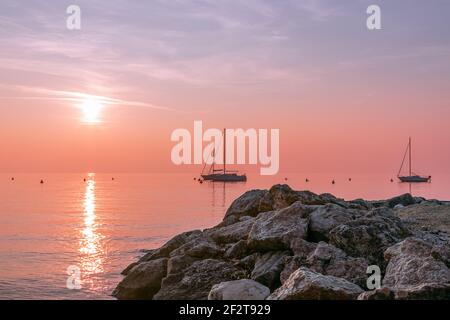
(195, 282)
(268, 268)
(169, 246)
(327, 217)
(305, 284)
(281, 196)
(370, 235)
(329, 260)
(201, 247)
(404, 200)
(231, 233)
(276, 230)
(237, 250)
(142, 281)
(244, 289)
(383, 293)
(246, 205)
(414, 272)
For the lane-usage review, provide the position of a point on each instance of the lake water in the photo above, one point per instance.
(100, 225)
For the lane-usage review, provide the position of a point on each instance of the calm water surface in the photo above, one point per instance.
(101, 225)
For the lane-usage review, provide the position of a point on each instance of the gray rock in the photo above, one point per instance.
(244, 289)
(246, 205)
(370, 235)
(282, 196)
(169, 246)
(302, 248)
(414, 273)
(201, 247)
(291, 264)
(329, 260)
(327, 217)
(276, 230)
(179, 263)
(237, 250)
(196, 281)
(231, 233)
(305, 284)
(405, 200)
(383, 293)
(142, 281)
(268, 268)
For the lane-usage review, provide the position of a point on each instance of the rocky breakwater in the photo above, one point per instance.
(286, 244)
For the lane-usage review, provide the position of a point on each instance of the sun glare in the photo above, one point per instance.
(91, 111)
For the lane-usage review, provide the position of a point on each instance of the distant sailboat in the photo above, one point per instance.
(222, 174)
(412, 177)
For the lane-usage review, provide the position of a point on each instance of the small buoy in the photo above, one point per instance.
(84, 179)
(307, 180)
(112, 178)
(349, 179)
(42, 181)
(195, 178)
(392, 180)
(12, 179)
(200, 180)
(333, 182)
(285, 179)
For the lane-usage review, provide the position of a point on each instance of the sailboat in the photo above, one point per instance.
(412, 177)
(223, 174)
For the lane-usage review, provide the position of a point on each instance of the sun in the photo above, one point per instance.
(91, 109)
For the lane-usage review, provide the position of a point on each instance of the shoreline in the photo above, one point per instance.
(283, 244)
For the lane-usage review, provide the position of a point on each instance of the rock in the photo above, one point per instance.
(276, 230)
(246, 205)
(302, 248)
(179, 263)
(427, 216)
(231, 233)
(405, 200)
(237, 250)
(305, 284)
(377, 294)
(360, 204)
(172, 244)
(142, 281)
(413, 272)
(248, 262)
(196, 281)
(244, 289)
(369, 235)
(327, 217)
(291, 264)
(268, 268)
(329, 260)
(282, 196)
(201, 247)
(398, 206)
(128, 269)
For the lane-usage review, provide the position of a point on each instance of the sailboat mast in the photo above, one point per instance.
(224, 150)
(410, 156)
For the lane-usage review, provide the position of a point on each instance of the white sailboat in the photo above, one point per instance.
(223, 175)
(411, 177)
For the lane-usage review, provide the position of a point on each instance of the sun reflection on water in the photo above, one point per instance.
(90, 244)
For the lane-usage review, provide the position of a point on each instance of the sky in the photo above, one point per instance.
(344, 98)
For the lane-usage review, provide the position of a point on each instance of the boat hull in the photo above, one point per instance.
(414, 179)
(225, 177)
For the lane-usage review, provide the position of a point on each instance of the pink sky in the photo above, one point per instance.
(344, 98)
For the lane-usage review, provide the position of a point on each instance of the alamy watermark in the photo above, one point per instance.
(73, 281)
(373, 22)
(374, 280)
(73, 21)
(232, 146)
